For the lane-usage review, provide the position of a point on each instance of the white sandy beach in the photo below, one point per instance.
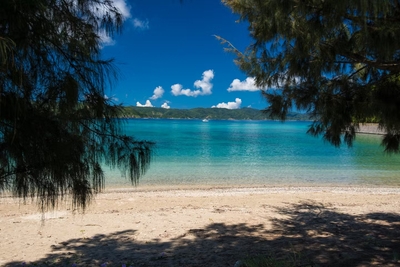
(208, 227)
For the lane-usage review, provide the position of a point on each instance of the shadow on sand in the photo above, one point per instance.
(309, 234)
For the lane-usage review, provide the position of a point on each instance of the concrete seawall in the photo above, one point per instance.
(370, 128)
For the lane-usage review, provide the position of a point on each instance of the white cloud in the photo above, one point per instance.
(147, 104)
(100, 10)
(141, 24)
(157, 93)
(123, 8)
(165, 105)
(177, 89)
(247, 85)
(230, 105)
(204, 85)
(112, 98)
(105, 39)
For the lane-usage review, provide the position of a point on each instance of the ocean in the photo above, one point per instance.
(255, 153)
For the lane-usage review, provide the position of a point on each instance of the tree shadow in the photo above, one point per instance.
(308, 234)
(331, 238)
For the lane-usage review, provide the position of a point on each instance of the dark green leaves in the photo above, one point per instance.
(337, 59)
(56, 127)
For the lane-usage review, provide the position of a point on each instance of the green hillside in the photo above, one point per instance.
(204, 113)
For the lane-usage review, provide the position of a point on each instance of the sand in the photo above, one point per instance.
(310, 226)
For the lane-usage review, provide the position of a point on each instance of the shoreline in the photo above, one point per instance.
(260, 189)
(234, 189)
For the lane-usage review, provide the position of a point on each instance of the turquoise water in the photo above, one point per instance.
(223, 153)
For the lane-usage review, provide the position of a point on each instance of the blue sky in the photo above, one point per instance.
(167, 56)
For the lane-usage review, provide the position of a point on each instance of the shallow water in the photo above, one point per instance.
(226, 153)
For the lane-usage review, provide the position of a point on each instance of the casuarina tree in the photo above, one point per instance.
(337, 59)
(57, 128)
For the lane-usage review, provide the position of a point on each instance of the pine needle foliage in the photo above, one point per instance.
(337, 59)
(56, 127)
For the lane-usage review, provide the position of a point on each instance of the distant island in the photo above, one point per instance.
(204, 113)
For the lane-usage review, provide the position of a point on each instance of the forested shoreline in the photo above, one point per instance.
(204, 113)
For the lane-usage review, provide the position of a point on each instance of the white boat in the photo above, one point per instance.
(205, 120)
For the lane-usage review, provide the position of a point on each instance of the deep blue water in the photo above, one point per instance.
(192, 152)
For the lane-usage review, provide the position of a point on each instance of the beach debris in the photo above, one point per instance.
(92, 224)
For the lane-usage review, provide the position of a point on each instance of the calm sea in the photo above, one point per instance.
(223, 153)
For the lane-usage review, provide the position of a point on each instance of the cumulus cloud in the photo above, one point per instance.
(157, 93)
(230, 105)
(165, 105)
(100, 11)
(123, 8)
(177, 89)
(247, 85)
(141, 24)
(121, 5)
(204, 85)
(112, 98)
(147, 104)
(105, 39)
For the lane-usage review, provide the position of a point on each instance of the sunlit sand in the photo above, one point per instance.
(207, 227)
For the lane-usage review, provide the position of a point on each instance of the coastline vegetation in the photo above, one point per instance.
(205, 113)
